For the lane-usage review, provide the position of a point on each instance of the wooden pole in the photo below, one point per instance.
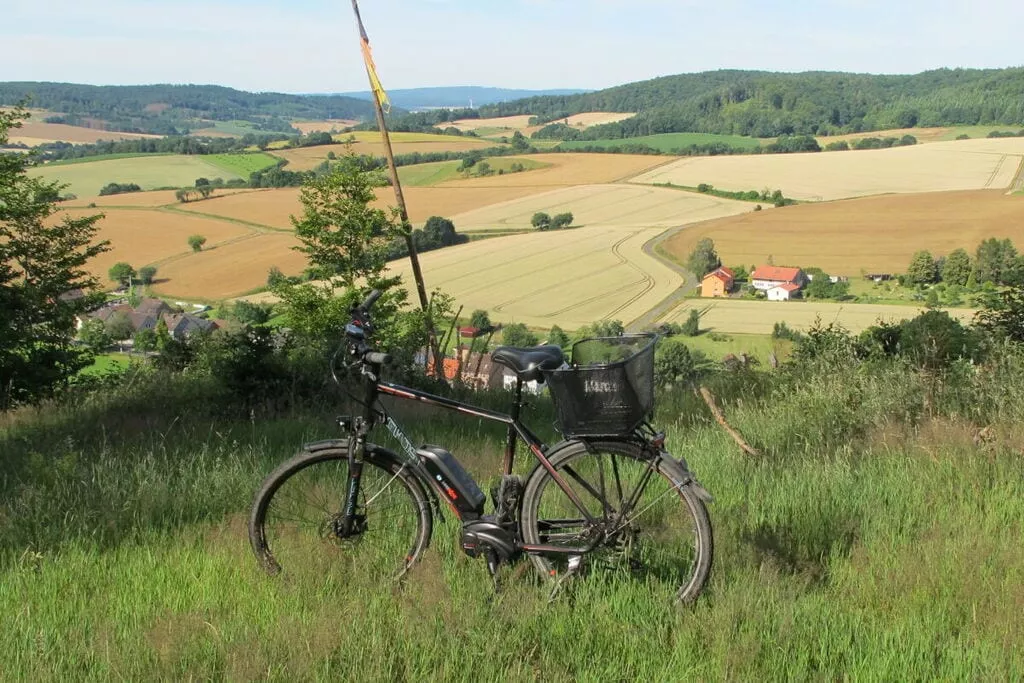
(403, 213)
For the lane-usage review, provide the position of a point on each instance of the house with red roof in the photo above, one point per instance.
(718, 282)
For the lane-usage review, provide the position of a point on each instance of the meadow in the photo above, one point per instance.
(426, 175)
(149, 172)
(870, 234)
(667, 142)
(941, 166)
(241, 165)
(867, 544)
(38, 132)
(306, 158)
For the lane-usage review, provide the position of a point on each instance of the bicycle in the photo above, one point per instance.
(604, 496)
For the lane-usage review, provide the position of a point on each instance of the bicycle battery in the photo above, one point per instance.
(452, 479)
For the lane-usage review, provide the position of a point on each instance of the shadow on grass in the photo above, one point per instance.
(798, 551)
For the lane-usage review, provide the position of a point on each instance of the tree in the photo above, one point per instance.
(541, 221)
(558, 337)
(483, 169)
(673, 364)
(345, 240)
(183, 195)
(94, 335)
(561, 220)
(922, 270)
(993, 258)
(121, 273)
(145, 340)
(1003, 314)
(517, 334)
(146, 274)
(703, 259)
(956, 268)
(252, 314)
(163, 335)
(519, 142)
(440, 232)
(120, 327)
(196, 242)
(691, 328)
(479, 319)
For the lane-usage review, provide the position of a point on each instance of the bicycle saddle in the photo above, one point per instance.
(528, 363)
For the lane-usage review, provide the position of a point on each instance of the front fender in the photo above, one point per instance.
(422, 477)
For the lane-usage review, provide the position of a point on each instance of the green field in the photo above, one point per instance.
(106, 362)
(150, 172)
(874, 540)
(104, 157)
(241, 164)
(424, 175)
(666, 142)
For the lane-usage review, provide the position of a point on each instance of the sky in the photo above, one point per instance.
(306, 46)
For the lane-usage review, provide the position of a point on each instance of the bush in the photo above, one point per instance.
(119, 188)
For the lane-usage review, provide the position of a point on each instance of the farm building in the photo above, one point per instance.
(718, 282)
(765, 278)
(784, 292)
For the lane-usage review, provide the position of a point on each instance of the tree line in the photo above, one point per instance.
(173, 109)
(763, 104)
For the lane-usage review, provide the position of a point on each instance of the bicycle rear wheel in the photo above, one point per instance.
(650, 524)
(295, 525)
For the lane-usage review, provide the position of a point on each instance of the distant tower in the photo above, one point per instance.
(470, 102)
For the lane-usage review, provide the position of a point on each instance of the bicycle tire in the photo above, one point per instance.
(542, 524)
(386, 483)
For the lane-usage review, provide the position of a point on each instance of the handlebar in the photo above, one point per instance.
(370, 300)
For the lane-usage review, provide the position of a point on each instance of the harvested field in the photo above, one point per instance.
(34, 133)
(878, 234)
(273, 207)
(570, 170)
(510, 123)
(306, 158)
(737, 316)
(960, 165)
(148, 237)
(326, 126)
(621, 206)
(153, 198)
(669, 142)
(570, 278)
(923, 135)
(596, 118)
(232, 269)
(150, 172)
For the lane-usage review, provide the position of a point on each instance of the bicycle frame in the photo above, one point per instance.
(516, 431)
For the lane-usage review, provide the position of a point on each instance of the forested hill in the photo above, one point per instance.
(457, 96)
(172, 109)
(766, 104)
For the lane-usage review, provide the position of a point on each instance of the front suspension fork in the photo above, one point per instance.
(356, 451)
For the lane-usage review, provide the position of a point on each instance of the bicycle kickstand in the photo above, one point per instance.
(575, 563)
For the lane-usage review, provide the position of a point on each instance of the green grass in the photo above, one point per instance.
(241, 164)
(666, 142)
(103, 157)
(106, 362)
(150, 172)
(873, 537)
(717, 345)
(977, 131)
(424, 175)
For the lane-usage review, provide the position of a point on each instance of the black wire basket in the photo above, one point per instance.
(608, 388)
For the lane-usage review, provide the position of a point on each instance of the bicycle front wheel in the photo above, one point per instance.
(296, 521)
(646, 521)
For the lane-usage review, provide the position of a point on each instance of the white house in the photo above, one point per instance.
(784, 292)
(765, 278)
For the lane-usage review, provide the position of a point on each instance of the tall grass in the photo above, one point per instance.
(878, 537)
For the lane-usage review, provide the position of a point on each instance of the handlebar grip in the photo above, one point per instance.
(375, 358)
(370, 301)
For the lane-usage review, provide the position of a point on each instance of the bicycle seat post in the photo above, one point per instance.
(510, 443)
